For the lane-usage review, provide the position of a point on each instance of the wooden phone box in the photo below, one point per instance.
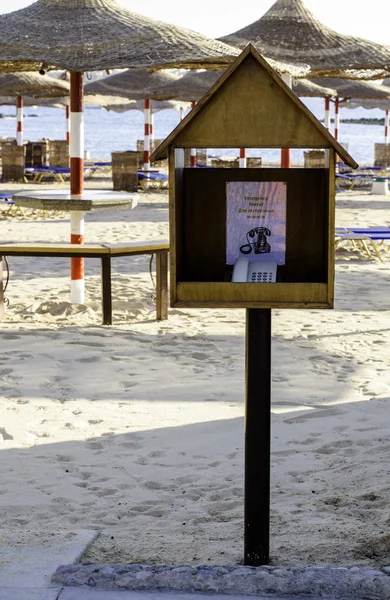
(250, 106)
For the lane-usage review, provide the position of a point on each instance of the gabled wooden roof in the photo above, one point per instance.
(250, 106)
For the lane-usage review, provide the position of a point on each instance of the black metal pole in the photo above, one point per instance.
(257, 436)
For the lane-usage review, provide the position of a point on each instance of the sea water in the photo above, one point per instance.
(108, 131)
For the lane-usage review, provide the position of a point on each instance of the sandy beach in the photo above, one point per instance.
(136, 430)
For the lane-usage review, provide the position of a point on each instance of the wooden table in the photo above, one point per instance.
(77, 205)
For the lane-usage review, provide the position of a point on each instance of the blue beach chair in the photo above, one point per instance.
(9, 205)
(148, 179)
(363, 237)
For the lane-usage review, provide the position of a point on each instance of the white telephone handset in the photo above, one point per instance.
(253, 272)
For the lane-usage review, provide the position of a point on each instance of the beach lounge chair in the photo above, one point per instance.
(364, 238)
(38, 174)
(152, 179)
(9, 206)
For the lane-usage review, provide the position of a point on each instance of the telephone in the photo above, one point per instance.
(257, 241)
(253, 272)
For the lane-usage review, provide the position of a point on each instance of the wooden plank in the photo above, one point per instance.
(162, 286)
(176, 168)
(331, 227)
(138, 248)
(34, 249)
(106, 290)
(252, 295)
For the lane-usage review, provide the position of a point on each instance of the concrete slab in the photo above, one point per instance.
(341, 583)
(13, 593)
(93, 594)
(28, 560)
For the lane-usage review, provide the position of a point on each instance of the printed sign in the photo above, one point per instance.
(256, 221)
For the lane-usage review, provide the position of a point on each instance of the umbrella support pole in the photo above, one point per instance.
(76, 153)
(77, 264)
(327, 113)
(242, 162)
(285, 155)
(19, 117)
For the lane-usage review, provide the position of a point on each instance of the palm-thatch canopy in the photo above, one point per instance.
(89, 35)
(306, 88)
(382, 104)
(192, 86)
(189, 88)
(155, 106)
(33, 84)
(356, 89)
(289, 31)
(29, 101)
(130, 83)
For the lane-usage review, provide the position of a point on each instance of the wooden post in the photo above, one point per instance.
(257, 436)
(161, 286)
(106, 290)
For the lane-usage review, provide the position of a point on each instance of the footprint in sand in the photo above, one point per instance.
(5, 435)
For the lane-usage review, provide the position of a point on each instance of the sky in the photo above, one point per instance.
(215, 18)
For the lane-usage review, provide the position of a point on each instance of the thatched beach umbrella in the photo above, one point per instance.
(131, 84)
(347, 89)
(289, 31)
(306, 88)
(33, 84)
(90, 35)
(382, 104)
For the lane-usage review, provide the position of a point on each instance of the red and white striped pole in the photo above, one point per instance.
(193, 150)
(285, 155)
(67, 123)
(193, 157)
(151, 129)
(336, 119)
(387, 126)
(147, 134)
(19, 118)
(76, 154)
(242, 161)
(327, 113)
(336, 126)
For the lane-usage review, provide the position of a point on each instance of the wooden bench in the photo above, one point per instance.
(105, 252)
